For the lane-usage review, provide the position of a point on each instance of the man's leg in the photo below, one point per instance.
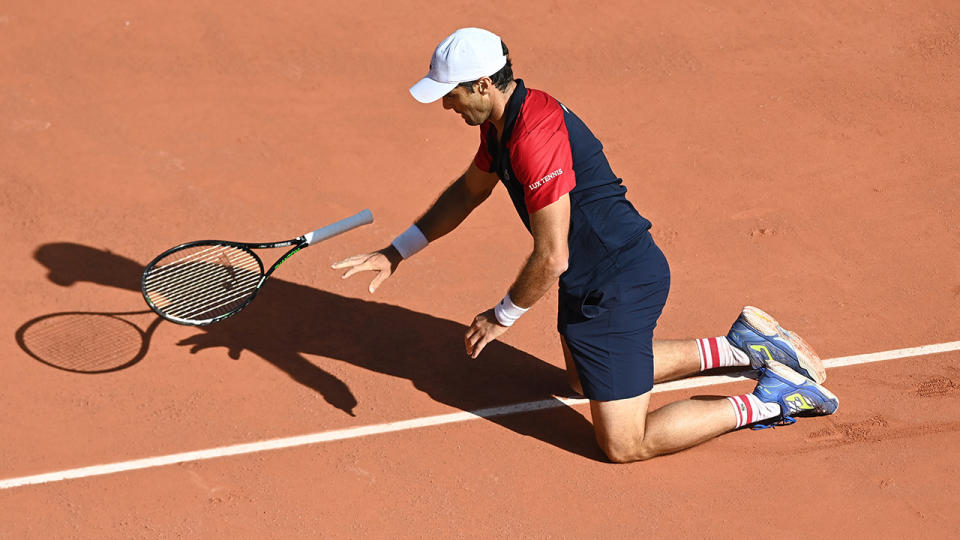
(573, 376)
(754, 339)
(675, 359)
(626, 432)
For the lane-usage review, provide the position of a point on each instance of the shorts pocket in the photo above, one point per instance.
(598, 301)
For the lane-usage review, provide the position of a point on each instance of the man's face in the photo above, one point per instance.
(474, 107)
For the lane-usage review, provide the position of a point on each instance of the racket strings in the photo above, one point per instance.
(191, 280)
(202, 282)
(188, 255)
(211, 304)
(207, 260)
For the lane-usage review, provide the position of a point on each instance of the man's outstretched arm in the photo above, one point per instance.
(444, 215)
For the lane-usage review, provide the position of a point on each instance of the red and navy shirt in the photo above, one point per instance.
(546, 152)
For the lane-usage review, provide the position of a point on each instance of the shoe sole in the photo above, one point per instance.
(797, 379)
(763, 323)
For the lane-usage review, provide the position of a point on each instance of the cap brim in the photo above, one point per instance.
(428, 90)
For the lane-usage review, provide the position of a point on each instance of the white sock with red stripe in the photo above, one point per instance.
(750, 409)
(716, 352)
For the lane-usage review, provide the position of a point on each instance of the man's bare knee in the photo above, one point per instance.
(625, 452)
(620, 426)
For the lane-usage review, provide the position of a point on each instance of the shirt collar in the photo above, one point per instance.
(512, 111)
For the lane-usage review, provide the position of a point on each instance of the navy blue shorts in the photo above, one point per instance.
(609, 327)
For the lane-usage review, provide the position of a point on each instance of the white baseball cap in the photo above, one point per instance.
(466, 55)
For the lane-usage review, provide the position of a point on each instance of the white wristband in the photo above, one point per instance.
(507, 312)
(411, 241)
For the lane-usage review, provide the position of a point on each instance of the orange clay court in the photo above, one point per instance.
(800, 157)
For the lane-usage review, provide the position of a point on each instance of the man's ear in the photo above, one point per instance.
(484, 84)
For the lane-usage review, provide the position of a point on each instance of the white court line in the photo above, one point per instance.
(417, 423)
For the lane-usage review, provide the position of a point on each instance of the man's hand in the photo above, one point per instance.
(484, 329)
(383, 262)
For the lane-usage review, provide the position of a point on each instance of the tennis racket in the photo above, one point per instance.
(209, 280)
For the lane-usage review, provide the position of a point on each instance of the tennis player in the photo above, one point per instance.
(613, 279)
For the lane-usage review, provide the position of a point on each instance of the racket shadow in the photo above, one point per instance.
(87, 342)
(289, 321)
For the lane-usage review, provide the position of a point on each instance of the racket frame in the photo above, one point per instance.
(298, 243)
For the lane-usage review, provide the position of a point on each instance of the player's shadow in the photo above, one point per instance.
(289, 321)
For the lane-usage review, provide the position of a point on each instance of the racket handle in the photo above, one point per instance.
(363, 218)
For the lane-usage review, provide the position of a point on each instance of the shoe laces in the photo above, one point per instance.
(782, 420)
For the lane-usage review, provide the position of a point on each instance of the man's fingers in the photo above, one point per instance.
(373, 262)
(479, 347)
(351, 261)
(358, 263)
(381, 277)
(475, 340)
(482, 331)
(470, 338)
(354, 269)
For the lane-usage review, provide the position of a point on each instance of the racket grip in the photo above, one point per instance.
(363, 218)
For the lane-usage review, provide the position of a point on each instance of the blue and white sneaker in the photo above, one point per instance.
(764, 340)
(796, 395)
